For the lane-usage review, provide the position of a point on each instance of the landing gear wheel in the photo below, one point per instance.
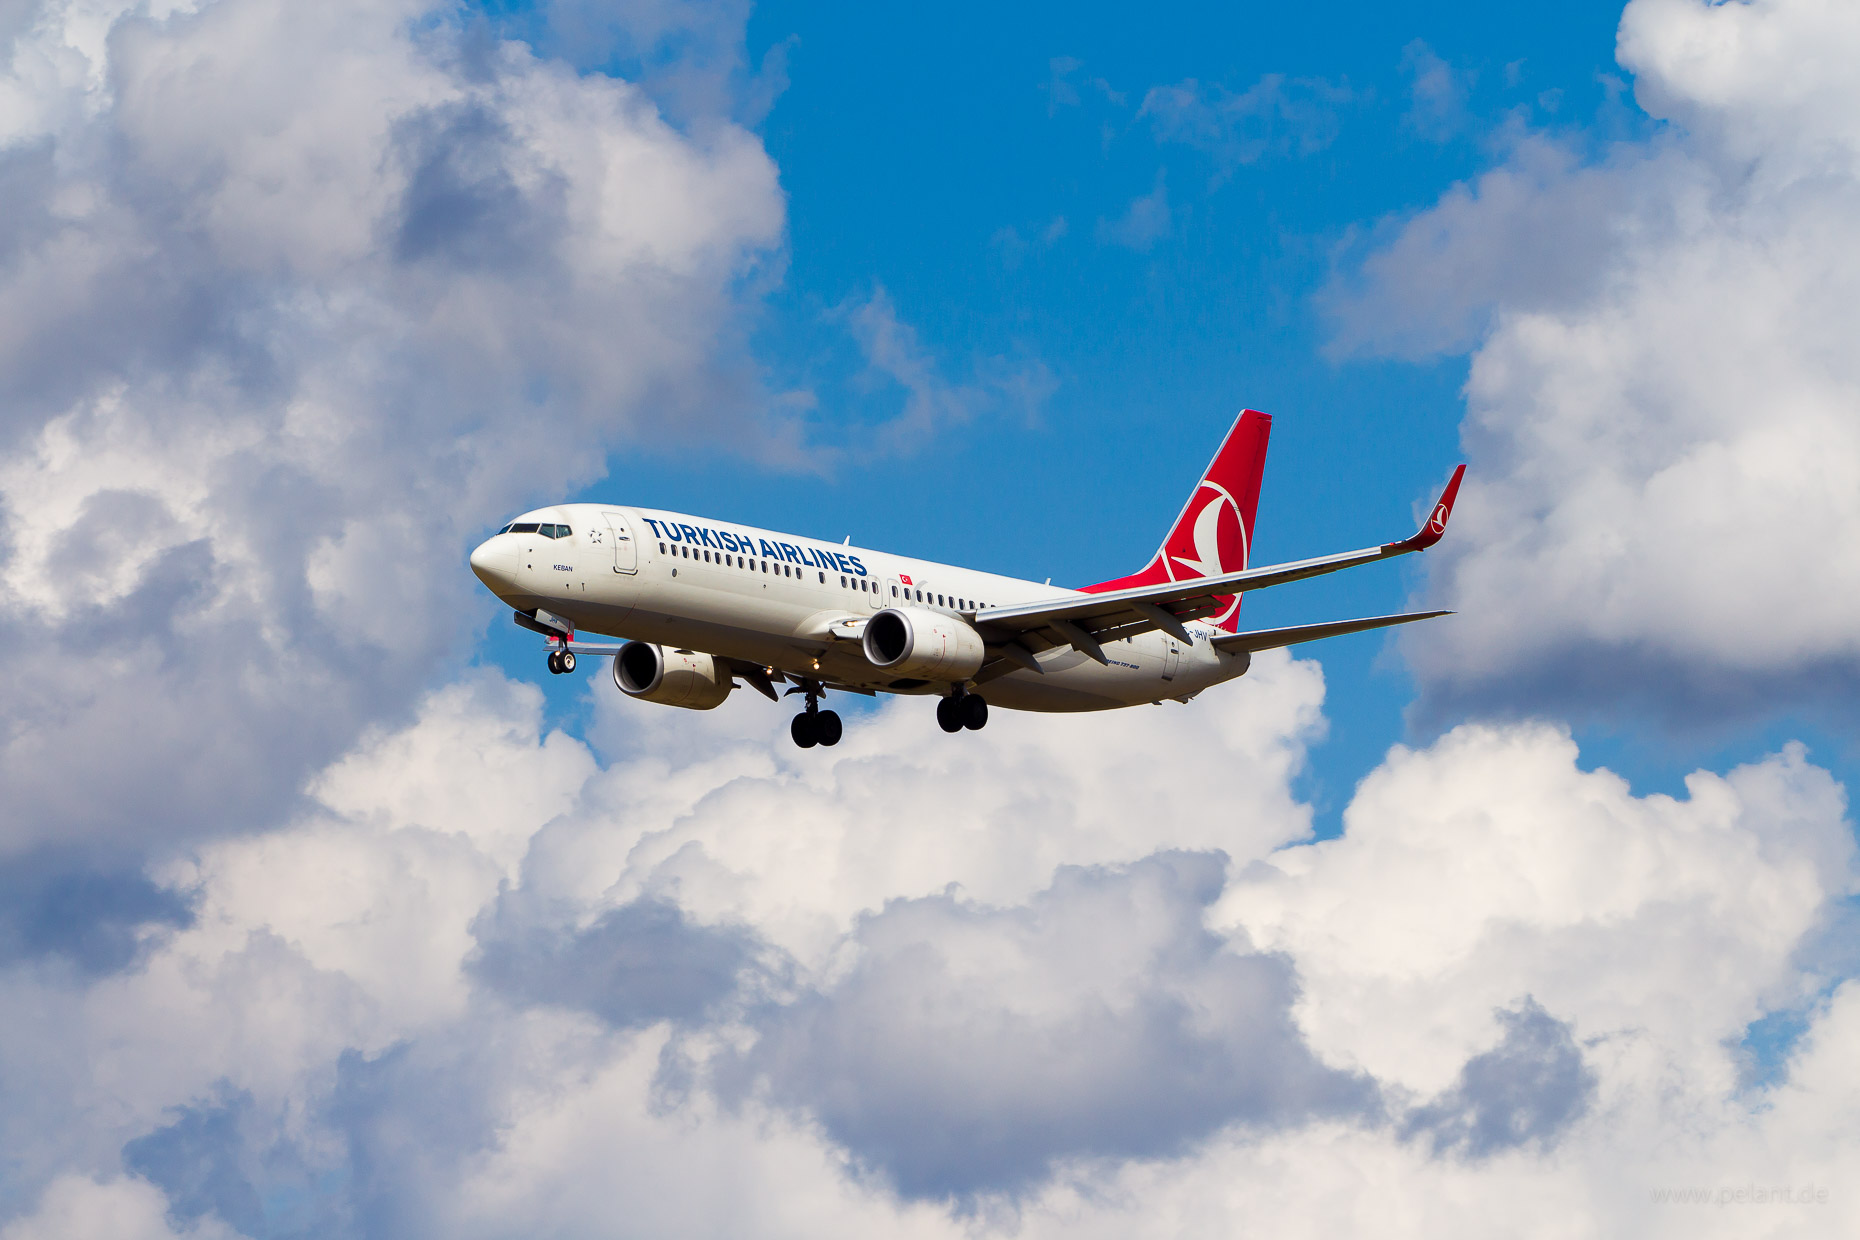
(827, 728)
(566, 661)
(973, 711)
(555, 662)
(949, 714)
(806, 730)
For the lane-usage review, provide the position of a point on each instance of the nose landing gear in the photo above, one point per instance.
(814, 726)
(962, 710)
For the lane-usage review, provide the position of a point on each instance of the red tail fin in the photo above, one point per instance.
(1214, 534)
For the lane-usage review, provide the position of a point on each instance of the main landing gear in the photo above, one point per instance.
(814, 726)
(962, 710)
(561, 661)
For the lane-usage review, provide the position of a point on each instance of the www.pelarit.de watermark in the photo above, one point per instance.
(1748, 1194)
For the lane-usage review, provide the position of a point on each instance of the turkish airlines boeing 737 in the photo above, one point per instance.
(705, 604)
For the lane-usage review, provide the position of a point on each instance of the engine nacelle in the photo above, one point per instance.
(922, 645)
(671, 677)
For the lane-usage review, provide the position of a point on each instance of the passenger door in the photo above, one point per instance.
(626, 551)
(1172, 657)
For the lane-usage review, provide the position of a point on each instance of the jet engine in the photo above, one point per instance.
(684, 678)
(922, 645)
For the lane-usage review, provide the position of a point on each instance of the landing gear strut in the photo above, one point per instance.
(962, 710)
(814, 726)
(561, 661)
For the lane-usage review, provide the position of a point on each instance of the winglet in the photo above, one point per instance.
(1435, 525)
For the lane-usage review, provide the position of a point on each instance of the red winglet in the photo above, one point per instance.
(1435, 525)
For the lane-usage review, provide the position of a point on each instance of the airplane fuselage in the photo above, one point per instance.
(794, 605)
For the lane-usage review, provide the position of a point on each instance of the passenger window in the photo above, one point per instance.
(661, 548)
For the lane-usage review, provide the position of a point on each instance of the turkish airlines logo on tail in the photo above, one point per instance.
(1217, 533)
(1210, 544)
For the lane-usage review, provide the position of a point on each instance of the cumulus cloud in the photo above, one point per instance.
(1489, 867)
(1065, 982)
(1525, 1090)
(286, 294)
(1662, 506)
(121, 1207)
(388, 968)
(970, 1048)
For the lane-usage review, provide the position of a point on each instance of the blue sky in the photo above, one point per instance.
(974, 174)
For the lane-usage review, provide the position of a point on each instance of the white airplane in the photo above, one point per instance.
(706, 604)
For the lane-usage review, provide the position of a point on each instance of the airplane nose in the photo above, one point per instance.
(493, 565)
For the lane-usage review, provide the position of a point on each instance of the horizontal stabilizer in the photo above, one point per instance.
(1272, 639)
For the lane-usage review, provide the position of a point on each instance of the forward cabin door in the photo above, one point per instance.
(626, 551)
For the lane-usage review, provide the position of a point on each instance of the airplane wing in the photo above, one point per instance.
(1086, 621)
(1272, 639)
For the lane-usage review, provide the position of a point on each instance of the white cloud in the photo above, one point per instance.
(120, 1208)
(1665, 484)
(1490, 866)
(293, 300)
(753, 987)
